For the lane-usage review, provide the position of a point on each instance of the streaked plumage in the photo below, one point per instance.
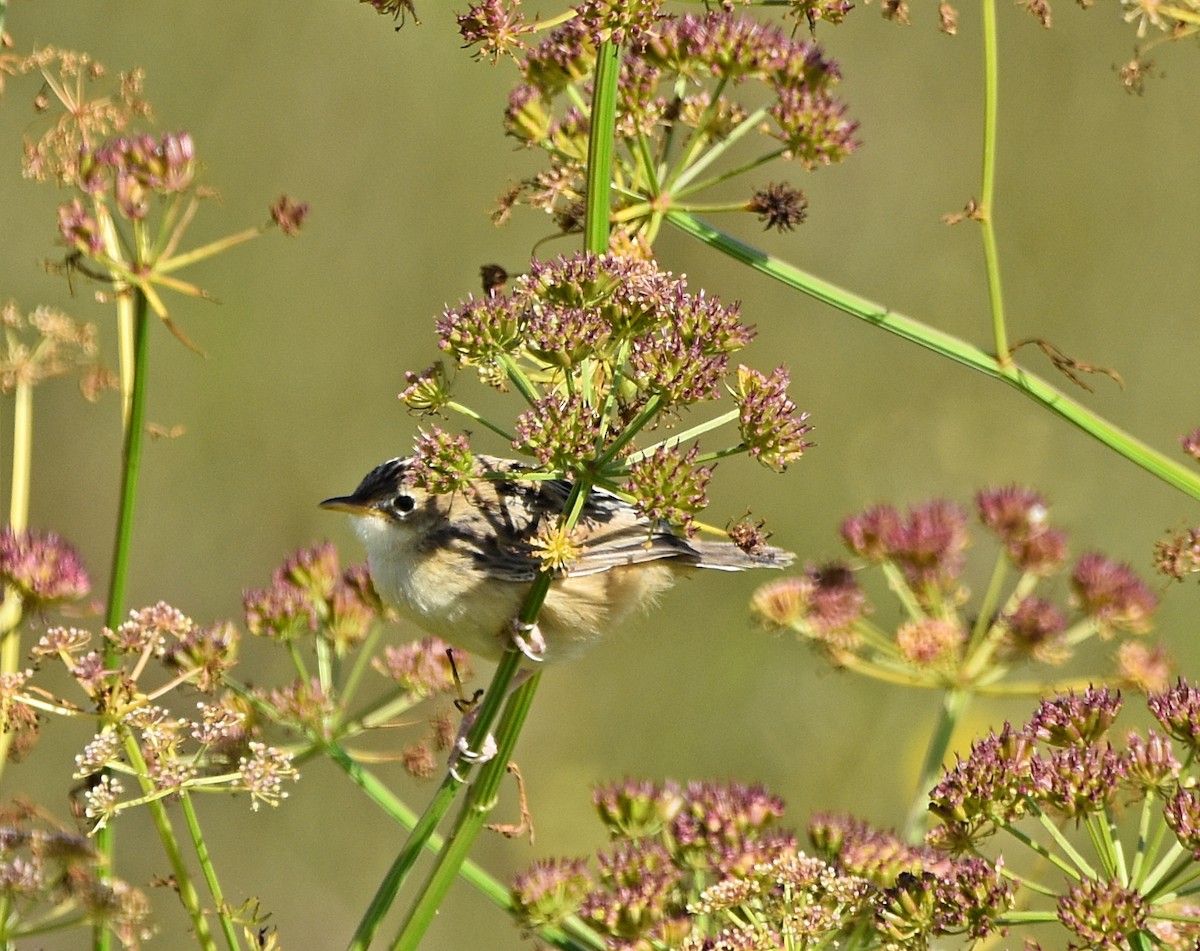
(460, 564)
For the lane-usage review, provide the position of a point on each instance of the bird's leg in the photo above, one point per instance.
(527, 638)
(461, 751)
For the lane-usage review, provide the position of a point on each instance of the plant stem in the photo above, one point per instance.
(423, 829)
(397, 810)
(184, 887)
(954, 704)
(991, 255)
(481, 797)
(600, 148)
(18, 521)
(131, 458)
(475, 810)
(18, 501)
(210, 873)
(947, 345)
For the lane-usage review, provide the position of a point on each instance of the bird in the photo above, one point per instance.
(460, 564)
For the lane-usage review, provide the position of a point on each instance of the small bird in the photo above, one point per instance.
(460, 564)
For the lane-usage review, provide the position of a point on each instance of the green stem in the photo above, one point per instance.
(184, 887)
(423, 829)
(482, 420)
(987, 608)
(1053, 858)
(954, 704)
(131, 459)
(12, 609)
(688, 165)
(475, 810)
(947, 345)
(486, 884)
(481, 796)
(600, 148)
(210, 873)
(991, 255)
(1065, 846)
(18, 501)
(679, 196)
(694, 432)
(644, 416)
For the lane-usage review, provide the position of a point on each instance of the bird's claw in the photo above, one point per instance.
(462, 752)
(527, 638)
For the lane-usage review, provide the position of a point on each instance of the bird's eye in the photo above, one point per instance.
(404, 503)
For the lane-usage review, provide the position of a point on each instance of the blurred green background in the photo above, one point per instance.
(395, 140)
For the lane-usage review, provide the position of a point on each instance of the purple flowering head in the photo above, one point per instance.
(771, 429)
(79, 228)
(1018, 518)
(424, 668)
(1075, 719)
(779, 207)
(1112, 594)
(822, 603)
(711, 56)
(311, 594)
(603, 348)
(1191, 443)
(668, 486)
(987, 789)
(1102, 913)
(1178, 710)
(928, 544)
(43, 567)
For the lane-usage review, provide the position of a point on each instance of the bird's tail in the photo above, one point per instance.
(725, 556)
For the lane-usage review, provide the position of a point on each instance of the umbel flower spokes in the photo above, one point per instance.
(708, 866)
(694, 92)
(1065, 768)
(605, 350)
(942, 643)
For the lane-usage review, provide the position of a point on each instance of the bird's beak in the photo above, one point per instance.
(346, 503)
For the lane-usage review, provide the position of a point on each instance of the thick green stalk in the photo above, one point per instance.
(600, 148)
(131, 460)
(396, 809)
(572, 934)
(18, 520)
(987, 201)
(424, 829)
(475, 809)
(22, 463)
(954, 704)
(210, 872)
(184, 887)
(481, 797)
(947, 345)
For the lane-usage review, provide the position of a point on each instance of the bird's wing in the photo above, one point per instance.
(501, 539)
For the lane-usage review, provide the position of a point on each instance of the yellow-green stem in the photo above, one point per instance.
(18, 502)
(947, 345)
(475, 809)
(209, 871)
(184, 887)
(991, 255)
(131, 455)
(11, 610)
(131, 458)
(954, 704)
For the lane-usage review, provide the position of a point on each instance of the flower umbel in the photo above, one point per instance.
(943, 643)
(680, 98)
